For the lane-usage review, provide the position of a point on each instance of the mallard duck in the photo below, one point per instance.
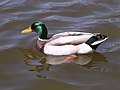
(66, 43)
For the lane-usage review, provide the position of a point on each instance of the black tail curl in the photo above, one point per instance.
(96, 40)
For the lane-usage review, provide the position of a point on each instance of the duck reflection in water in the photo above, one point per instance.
(41, 62)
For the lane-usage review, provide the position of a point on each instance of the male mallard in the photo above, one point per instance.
(65, 43)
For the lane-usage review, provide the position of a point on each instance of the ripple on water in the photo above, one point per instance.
(100, 70)
(113, 46)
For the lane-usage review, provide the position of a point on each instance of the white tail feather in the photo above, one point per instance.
(98, 42)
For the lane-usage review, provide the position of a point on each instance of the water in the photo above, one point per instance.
(22, 67)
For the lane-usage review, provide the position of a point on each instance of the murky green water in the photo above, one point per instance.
(22, 67)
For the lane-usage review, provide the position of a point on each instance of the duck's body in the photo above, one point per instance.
(68, 43)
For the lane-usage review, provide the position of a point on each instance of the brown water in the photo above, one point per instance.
(22, 67)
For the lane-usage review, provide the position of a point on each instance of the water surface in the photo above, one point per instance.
(22, 67)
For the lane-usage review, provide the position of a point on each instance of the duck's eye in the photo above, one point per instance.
(34, 27)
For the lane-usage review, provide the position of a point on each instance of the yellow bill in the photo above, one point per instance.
(28, 30)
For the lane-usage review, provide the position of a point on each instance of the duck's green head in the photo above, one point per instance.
(39, 28)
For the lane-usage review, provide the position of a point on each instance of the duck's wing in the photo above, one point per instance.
(73, 38)
(71, 34)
